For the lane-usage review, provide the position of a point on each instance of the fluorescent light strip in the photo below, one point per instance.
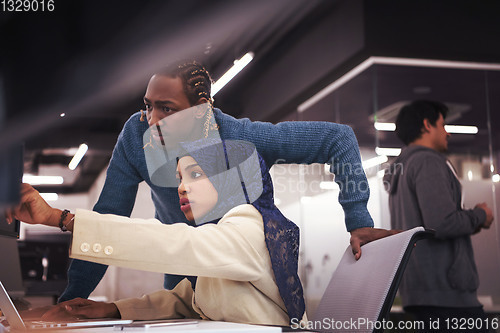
(396, 62)
(452, 129)
(232, 72)
(373, 162)
(388, 151)
(49, 196)
(390, 127)
(42, 180)
(435, 63)
(78, 156)
(335, 85)
(459, 129)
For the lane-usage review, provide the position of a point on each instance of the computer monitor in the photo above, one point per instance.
(11, 174)
(10, 272)
(9, 230)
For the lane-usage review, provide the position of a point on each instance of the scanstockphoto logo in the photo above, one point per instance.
(355, 325)
(349, 178)
(336, 168)
(366, 325)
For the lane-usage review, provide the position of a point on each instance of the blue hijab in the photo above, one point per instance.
(240, 176)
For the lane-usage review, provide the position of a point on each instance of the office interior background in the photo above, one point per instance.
(74, 75)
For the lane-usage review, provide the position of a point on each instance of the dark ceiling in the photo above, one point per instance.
(92, 59)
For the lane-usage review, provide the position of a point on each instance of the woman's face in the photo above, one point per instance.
(197, 195)
(168, 107)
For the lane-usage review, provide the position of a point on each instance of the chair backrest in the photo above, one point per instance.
(360, 293)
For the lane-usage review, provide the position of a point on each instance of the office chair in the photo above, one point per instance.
(360, 293)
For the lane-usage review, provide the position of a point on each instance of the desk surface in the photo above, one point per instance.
(205, 326)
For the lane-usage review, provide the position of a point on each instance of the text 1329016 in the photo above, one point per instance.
(27, 5)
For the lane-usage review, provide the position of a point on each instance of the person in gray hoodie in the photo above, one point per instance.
(441, 279)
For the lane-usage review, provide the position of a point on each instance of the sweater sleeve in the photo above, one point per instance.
(440, 211)
(311, 142)
(117, 197)
(122, 178)
(231, 249)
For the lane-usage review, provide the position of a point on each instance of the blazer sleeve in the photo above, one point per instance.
(231, 249)
(162, 304)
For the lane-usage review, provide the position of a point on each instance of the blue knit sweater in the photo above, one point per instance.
(286, 142)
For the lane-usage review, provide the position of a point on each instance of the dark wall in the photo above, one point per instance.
(452, 30)
(307, 55)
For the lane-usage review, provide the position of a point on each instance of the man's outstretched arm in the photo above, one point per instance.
(309, 142)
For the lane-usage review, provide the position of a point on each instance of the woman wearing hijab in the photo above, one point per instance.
(240, 251)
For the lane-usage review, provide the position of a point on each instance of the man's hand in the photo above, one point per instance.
(81, 308)
(362, 236)
(33, 209)
(489, 215)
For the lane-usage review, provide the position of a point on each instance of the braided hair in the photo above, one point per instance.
(196, 80)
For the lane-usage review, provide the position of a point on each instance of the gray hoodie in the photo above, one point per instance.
(423, 191)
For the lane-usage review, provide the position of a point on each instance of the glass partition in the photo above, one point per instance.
(369, 103)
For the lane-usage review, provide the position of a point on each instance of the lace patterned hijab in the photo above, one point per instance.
(240, 176)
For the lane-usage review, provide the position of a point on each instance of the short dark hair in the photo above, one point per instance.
(195, 78)
(411, 117)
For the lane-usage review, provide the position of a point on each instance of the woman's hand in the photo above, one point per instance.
(33, 209)
(81, 308)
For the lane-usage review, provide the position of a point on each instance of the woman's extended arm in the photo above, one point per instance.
(34, 209)
(232, 249)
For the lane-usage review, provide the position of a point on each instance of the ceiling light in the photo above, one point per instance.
(335, 85)
(42, 180)
(367, 63)
(372, 162)
(78, 156)
(390, 127)
(49, 196)
(496, 178)
(452, 129)
(459, 129)
(413, 62)
(62, 114)
(388, 151)
(232, 72)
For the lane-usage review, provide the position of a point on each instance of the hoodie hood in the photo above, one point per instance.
(395, 170)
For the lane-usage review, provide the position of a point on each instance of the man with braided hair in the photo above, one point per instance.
(181, 87)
